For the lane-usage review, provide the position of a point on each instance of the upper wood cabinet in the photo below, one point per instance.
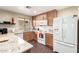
(50, 16)
(34, 21)
(41, 17)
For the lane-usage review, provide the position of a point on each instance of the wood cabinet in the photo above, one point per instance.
(34, 21)
(49, 39)
(27, 36)
(38, 17)
(50, 16)
(41, 17)
(34, 36)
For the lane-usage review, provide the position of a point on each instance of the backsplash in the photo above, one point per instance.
(51, 29)
(45, 28)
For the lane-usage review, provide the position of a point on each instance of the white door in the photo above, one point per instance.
(69, 30)
(57, 29)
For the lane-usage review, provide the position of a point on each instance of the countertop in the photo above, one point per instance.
(14, 44)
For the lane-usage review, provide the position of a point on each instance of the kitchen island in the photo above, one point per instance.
(10, 43)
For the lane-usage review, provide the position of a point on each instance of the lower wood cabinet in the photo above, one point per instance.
(34, 36)
(27, 36)
(49, 39)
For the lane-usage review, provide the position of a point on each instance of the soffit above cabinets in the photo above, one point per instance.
(32, 11)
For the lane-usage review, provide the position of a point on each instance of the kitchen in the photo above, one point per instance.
(36, 29)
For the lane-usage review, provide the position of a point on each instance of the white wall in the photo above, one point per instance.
(68, 11)
(6, 15)
(78, 12)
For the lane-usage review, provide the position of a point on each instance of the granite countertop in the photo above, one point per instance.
(14, 44)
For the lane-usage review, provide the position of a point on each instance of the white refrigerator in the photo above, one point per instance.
(65, 34)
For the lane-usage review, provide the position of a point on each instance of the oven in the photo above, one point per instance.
(41, 38)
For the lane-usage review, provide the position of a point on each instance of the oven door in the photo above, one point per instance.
(41, 38)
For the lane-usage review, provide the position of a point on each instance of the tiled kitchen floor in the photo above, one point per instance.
(39, 48)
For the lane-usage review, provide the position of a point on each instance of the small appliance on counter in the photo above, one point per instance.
(3, 30)
(6, 22)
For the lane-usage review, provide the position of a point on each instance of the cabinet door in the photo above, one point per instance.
(34, 21)
(49, 39)
(57, 29)
(37, 17)
(27, 36)
(70, 30)
(50, 16)
(44, 16)
(35, 36)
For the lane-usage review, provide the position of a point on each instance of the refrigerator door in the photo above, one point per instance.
(57, 29)
(64, 48)
(69, 30)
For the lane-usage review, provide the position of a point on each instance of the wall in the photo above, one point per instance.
(78, 12)
(6, 15)
(68, 11)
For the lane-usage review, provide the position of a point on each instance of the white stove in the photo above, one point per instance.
(41, 34)
(41, 38)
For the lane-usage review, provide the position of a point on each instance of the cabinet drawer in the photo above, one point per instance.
(49, 36)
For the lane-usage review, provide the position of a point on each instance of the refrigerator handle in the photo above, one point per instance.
(62, 30)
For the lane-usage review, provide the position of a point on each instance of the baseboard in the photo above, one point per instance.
(34, 40)
(49, 46)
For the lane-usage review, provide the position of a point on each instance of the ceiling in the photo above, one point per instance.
(34, 10)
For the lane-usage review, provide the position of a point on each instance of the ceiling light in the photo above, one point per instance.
(35, 12)
(28, 7)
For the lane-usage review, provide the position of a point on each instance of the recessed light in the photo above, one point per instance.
(35, 12)
(28, 7)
